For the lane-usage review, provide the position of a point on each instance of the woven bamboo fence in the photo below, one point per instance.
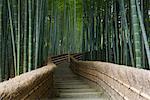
(32, 85)
(119, 82)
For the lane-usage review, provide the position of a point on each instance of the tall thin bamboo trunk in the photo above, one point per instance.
(106, 31)
(116, 31)
(37, 35)
(51, 28)
(18, 38)
(1, 4)
(12, 37)
(30, 36)
(84, 27)
(136, 33)
(14, 19)
(75, 26)
(25, 37)
(65, 22)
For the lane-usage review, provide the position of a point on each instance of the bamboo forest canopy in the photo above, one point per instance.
(116, 31)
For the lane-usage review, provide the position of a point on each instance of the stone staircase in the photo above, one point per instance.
(71, 87)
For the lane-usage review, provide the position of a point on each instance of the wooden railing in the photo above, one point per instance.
(65, 57)
(60, 58)
(120, 82)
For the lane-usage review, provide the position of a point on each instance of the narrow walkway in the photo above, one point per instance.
(71, 87)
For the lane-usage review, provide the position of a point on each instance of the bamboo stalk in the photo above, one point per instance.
(12, 37)
(136, 33)
(30, 36)
(1, 4)
(37, 35)
(18, 38)
(25, 38)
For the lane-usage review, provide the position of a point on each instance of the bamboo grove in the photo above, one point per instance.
(118, 30)
(115, 31)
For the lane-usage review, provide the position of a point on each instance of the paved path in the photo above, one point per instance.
(71, 87)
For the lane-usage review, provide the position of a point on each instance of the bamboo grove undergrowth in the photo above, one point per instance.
(115, 31)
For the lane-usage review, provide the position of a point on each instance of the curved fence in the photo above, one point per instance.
(32, 85)
(120, 82)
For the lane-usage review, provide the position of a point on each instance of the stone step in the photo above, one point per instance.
(68, 78)
(75, 90)
(68, 81)
(80, 95)
(60, 77)
(79, 98)
(72, 83)
(72, 86)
